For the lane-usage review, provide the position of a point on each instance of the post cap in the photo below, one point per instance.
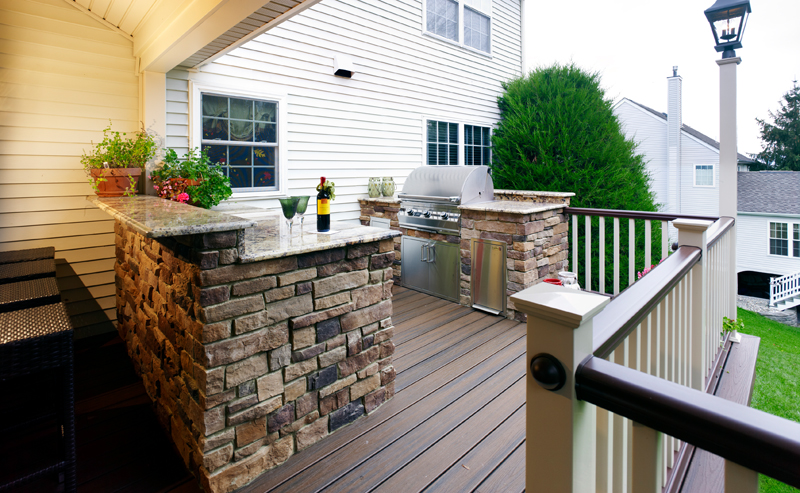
(559, 304)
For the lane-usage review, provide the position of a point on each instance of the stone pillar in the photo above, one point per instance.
(247, 363)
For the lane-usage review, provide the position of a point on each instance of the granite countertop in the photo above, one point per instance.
(392, 200)
(266, 234)
(270, 238)
(533, 193)
(154, 217)
(511, 207)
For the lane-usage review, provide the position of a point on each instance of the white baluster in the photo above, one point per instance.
(602, 251)
(647, 458)
(616, 256)
(588, 226)
(739, 479)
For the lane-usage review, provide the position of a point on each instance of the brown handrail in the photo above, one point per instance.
(749, 437)
(718, 230)
(655, 216)
(630, 307)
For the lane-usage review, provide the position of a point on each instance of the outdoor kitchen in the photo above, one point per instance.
(466, 242)
(252, 342)
(256, 339)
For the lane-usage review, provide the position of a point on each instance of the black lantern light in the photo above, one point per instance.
(727, 19)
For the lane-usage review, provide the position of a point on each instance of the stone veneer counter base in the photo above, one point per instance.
(251, 358)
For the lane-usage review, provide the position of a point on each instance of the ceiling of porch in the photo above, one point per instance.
(170, 33)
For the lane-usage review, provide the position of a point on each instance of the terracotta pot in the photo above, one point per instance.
(117, 181)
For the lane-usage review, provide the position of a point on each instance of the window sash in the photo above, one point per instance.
(779, 239)
(251, 165)
(466, 22)
(441, 143)
(796, 240)
(477, 145)
(704, 175)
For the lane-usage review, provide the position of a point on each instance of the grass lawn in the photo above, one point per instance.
(777, 387)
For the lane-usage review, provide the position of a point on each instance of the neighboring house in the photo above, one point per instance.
(251, 81)
(683, 163)
(768, 222)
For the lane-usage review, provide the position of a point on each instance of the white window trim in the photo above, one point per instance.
(790, 231)
(196, 132)
(460, 42)
(460, 142)
(713, 175)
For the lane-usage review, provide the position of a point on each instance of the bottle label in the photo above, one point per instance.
(323, 206)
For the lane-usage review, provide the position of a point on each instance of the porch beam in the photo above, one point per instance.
(179, 28)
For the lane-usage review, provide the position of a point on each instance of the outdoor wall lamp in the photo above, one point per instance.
(728, 19)
(343, 66)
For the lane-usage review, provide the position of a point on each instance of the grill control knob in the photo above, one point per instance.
(427, 214)
(445, 216)
(410, 212)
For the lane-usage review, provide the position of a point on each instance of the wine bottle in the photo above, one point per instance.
(323, 207)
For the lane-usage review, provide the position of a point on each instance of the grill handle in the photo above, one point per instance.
(454, 199)
(423, 256)
(432, 252)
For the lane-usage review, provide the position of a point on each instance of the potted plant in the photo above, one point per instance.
(115, 164)
(194, 179)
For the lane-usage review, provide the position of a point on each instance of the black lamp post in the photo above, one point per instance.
(728, 19)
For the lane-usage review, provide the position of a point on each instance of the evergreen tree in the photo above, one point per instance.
(558, 133)
(781, 140)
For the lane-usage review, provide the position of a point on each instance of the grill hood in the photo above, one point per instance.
(452, 184)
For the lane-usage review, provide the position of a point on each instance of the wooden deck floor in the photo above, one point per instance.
(456, 422)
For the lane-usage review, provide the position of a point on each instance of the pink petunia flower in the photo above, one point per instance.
(183, 197)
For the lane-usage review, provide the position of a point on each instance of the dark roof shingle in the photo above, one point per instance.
(769, 191)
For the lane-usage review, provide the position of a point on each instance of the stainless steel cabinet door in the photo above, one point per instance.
(445, 270)
(414, 270)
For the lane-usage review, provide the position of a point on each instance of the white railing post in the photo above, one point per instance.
(692, 232)
(739, 479)
(561, 431)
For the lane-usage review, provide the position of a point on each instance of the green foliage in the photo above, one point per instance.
(328, 186)
(117, 150)
(173, 179)
(777, 386)
(781, 139)
(558, 133)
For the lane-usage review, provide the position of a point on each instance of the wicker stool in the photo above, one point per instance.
(33, 340)
(25, 271)
(27, 255)
(28, 294)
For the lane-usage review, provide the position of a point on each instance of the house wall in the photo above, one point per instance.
(702, 201)
(651, 135)
(752, 245)
(372, 124)
(64, 76)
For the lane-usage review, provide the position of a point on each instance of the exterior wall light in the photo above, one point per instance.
(728, 19)
(343, 66)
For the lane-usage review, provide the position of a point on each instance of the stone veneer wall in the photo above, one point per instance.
(538, 244)
(248, 363)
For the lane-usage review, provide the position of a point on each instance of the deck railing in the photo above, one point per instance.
(635, 371)
(784, 288)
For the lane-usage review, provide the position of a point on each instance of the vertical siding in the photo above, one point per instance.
(698, 200)
(752, 246)
(370, 125)
(64, 76)
(651, 136)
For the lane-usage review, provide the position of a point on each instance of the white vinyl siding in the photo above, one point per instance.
(650, 134)
(64, 76)
(374, 123)
(753, 244)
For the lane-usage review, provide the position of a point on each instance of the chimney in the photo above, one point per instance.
(674, 123)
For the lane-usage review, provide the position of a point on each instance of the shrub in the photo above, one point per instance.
(558, 133)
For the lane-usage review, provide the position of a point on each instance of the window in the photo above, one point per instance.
(242, 134)
(796, 240)
(466, 22)
(442, 143)
(704, 175)
(477, 145)
(778, 239)
(443, 147)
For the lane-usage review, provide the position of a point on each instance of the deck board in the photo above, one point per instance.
(459, 397)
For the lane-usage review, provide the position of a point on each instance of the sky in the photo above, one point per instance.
(634, 44)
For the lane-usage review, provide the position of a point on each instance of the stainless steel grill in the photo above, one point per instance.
(429, 202)
(431, 196)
